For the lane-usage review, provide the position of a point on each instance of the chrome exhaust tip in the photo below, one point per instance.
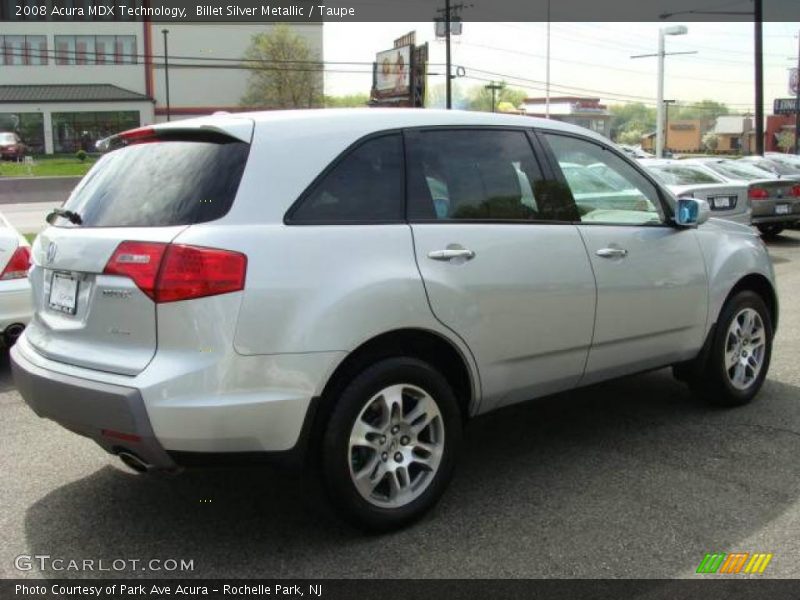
(134, 462)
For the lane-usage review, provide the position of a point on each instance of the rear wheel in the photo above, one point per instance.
(739, 357)
(390, 445)
(770, 230)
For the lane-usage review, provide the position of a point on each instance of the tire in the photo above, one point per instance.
(736, 367)
(770, 231)
(367, 441)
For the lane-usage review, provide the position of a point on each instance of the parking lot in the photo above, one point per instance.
(632, 478)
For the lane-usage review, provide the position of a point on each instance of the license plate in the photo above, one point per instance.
(64, 293)
(781, 209)
(721, 202)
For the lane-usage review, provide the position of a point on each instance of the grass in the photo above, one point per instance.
(30, 237)
(47, 166)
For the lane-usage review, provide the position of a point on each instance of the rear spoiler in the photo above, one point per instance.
(220, 132)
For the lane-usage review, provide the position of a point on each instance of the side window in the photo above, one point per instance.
(364, 186)
(458, 174)
(605, 187)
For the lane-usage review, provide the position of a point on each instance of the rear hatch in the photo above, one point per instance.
(723, 199)
(89, 310)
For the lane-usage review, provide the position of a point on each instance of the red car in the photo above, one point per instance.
(11, 146)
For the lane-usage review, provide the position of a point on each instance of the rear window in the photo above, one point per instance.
(160, 184)
(739, 170)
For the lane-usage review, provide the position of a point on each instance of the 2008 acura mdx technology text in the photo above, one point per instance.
(350, 287)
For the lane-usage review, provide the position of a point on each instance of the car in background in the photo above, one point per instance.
(775, 202)
(634, 151)
(776, 167)
(597, 187)
(11, 146)
(16, 307)
(781, 157)
(727, 200)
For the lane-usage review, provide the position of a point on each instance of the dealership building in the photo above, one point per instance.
(66, 84)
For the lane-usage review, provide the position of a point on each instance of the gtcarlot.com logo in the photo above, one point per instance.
(735, 562)
(45, 562)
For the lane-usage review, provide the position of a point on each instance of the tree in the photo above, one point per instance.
(631, 137)
(285, 73)
(786, 140)
(348, 101)
(705, 109)
(710, 141)
(635, 116)
(479, 98)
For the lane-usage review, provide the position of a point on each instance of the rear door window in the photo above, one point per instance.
(160, 184)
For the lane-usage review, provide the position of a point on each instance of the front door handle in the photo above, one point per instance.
(612, 253)
(451, 253)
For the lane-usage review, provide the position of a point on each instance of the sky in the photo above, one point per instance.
(587, 59)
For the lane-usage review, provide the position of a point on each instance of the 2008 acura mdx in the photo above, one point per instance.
(350, 287)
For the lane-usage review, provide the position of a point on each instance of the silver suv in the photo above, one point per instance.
(347, 289)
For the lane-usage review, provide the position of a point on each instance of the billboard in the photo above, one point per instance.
(393, 72)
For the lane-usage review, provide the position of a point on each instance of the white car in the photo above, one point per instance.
(285, 284)
(727, 199)
(16, 306)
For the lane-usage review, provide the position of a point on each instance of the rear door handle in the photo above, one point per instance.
(451, 253)
(612, 253)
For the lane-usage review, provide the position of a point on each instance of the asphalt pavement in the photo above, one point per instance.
(631, 478)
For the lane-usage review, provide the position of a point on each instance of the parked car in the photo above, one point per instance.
(635, 151)
(782, 157)
(11, 146)
(775, 202)
(283, 284)
(726, 200)
(777, 168)
(16, 305)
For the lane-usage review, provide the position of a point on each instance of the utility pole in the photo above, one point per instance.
(449, 10)
(797, 101)
(547, 69)
(494, 87)
(166, 68)
(758, 19)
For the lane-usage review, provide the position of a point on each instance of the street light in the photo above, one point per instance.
(664, 31)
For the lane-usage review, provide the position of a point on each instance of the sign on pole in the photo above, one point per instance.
(793, 81)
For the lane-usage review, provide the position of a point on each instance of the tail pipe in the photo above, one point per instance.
(134, 462)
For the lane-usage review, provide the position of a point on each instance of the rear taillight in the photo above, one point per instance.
(139, 135)
(757, 193)
(17, 267)
(172, 272)
(796, 190)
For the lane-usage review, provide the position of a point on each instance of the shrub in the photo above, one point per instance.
(81, 155)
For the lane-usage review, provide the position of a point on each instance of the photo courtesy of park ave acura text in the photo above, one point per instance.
(378, 299)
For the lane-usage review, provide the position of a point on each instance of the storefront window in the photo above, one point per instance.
(75, 131)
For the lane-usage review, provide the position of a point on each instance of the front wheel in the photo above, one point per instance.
(740, 354)
(390, 445)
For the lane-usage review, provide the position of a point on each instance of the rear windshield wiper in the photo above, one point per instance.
(69, 215)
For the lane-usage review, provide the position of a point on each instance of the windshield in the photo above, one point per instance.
(683, 175)
(160, 184)
(734, 170)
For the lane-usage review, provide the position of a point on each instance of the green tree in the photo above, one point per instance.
(285, 72)
(347, 101)
(710, 142)
(635, 116)
(786, 140)
(631, 137)
(705, 109)
(479, 98)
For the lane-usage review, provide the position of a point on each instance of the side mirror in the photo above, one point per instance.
(691, 212)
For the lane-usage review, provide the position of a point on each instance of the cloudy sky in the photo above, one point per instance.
(591, 59)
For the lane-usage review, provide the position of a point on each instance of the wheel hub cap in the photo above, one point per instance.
(745, 346)
(396, 446)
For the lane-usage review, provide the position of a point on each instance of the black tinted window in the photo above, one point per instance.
(160, 184)
(366, 185)
(477, 175)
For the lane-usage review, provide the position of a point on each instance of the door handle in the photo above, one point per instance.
(612, 253)
(451, 253)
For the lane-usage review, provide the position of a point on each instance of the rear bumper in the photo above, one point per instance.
(773, 219)
(91, 409)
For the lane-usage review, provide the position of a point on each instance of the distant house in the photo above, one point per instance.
(682, 135)
(734, 134)
(584, 112)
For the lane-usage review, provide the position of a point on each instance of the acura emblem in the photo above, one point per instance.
(51, 252)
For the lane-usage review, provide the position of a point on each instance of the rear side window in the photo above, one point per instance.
(477, 174)
(365, 186)
(160, 184)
